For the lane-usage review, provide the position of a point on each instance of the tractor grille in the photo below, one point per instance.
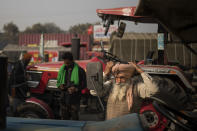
(33, 78)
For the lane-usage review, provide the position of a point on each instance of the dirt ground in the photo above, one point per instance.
(91, 113)
(87, 116)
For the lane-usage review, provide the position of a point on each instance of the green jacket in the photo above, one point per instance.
(62, 74)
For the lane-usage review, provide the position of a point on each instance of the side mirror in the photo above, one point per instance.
(121, 29)
(107, 24)
(94, 75)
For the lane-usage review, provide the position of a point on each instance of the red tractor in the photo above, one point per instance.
(45, 96)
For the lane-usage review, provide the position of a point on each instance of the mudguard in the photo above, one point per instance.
(168, 70)
(42, 105)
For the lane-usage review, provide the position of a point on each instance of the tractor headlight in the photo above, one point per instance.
(33, 78)
(52, 83)
(33, 84)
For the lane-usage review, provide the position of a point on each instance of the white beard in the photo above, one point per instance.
(119, 91)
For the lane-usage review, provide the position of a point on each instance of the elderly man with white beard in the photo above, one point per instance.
(124, 96)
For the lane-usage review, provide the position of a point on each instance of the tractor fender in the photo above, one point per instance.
(42, 105)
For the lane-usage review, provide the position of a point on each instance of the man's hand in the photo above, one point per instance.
(108, 67)
(138, 69)
(93, 92)
(62, 87)
(72, 90)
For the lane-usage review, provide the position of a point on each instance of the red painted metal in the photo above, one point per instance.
(141, 62)
(124, 11)
(42, 104)
(162, 121)
(85, 91)
(54, 66)
(50, 71)
(43, 82)
(90, 30)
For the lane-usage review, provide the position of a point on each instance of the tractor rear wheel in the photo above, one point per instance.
(173, 93)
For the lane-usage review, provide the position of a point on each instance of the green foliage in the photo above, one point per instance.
(43, 28)
(10, 34)
(51, 27)
(10, 29)
(79, 29)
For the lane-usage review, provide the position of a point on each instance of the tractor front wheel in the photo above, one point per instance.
(31, 110)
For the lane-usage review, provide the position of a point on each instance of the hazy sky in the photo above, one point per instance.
(64, 13)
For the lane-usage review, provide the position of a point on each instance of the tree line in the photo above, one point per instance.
(11, 31)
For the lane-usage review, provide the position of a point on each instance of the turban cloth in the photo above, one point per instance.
(126, 70)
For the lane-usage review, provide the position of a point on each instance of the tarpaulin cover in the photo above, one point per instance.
(27, 124)
(129, 122)
(179, 17)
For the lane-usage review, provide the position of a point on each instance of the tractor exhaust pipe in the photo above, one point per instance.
(75, 47)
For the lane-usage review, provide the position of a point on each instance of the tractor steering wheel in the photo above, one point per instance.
(168, 112)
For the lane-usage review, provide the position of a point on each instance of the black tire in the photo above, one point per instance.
(30, 110)
(172, 93)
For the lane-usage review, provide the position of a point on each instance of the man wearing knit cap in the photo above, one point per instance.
(124, 97)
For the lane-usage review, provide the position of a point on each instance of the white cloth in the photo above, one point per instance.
(148, 88)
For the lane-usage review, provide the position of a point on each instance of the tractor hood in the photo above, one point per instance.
(55, 66)
(179, 17)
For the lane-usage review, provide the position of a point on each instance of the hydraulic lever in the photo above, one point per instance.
(109, 56)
